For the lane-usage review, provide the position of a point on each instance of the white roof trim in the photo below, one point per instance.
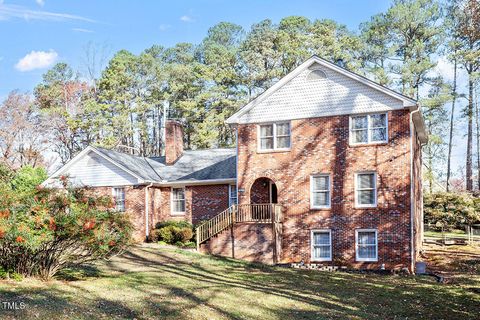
(80, 156)
(234, 119)
(194, 182)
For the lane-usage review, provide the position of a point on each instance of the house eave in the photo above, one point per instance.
(193, 182)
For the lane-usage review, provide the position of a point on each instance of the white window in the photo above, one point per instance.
(232, 195)
(366, 244)
(320, 191)
(366, 189)
(119, 199)
(321, 241)
(274, 136)
(370, 128)
(178, 200)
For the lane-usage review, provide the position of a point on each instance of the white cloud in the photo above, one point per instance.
(41, 3)
(444, 68)
(164, 27)
(82, 30)
(8, 12)
(36, 60)
(186, 18)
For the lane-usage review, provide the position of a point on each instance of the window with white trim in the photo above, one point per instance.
(321, 241)
(369, 128)
(232, 195)
(119, 199)
(366, 244)
(178, 200)
(274, 136)
(320, 191)
(366, 189)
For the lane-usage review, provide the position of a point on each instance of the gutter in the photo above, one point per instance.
(192, 182)
(412, 189)
(147, 202)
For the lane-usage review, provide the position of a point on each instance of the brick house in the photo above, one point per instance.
(327, 169)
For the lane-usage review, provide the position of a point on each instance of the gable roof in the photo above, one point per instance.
(194, 166)
(342, 92)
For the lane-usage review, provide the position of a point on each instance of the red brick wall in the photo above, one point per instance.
(251, 242)
(134, 206)
(173, 141)
(207, 201)
(202, 202)
(320, 145)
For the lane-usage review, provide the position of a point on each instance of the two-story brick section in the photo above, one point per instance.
(327, 169)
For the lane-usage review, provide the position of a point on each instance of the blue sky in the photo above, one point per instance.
(61, 29)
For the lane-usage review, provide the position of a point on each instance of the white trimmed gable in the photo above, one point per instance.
(342, 92)
(91, 169)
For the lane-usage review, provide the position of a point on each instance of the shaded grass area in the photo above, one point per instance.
(456, 261)
(155, 282)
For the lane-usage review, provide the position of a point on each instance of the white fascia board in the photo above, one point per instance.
(194, 182)
(407, 102)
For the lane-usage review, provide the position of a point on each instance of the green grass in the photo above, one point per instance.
(157, 282)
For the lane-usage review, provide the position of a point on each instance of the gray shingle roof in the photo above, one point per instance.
(193, 165)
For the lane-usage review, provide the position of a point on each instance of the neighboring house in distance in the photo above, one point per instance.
(327, 170)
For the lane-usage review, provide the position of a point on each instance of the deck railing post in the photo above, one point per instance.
(197, 231)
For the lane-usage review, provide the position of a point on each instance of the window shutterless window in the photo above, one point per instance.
(320, 191)
(366, 189)
(178, 200)
(369, 128)
(321, 241)
(274, 136)
(366, 244)
(232, 192)
(119, 198)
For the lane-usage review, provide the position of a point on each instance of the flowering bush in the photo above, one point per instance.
(45, 230)
(451, 210)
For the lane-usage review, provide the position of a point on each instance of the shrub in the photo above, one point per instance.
(172, 234)
(184, 234)
(179, 224)
(45, 230)
(154, 235)
(168, 234)
(451, 210)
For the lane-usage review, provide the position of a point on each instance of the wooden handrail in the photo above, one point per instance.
(259, 213)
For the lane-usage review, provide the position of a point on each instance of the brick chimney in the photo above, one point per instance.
(173, 141)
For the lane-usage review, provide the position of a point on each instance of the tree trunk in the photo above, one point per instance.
(452, 117)
(469, 171)
(478, 140)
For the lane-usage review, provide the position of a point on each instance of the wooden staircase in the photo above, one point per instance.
(267, 213)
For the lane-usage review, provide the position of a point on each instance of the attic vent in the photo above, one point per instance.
(92, 161)
(316, 74)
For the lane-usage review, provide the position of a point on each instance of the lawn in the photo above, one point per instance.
(155, 282)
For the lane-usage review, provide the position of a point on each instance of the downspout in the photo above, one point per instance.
(236, 162)
(412, 200)
(147, 207)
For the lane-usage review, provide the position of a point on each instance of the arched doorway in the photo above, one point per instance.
(263, 190)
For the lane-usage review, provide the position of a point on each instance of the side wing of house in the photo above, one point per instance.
(94, 170)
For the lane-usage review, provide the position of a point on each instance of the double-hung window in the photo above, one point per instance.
(321, 241)
(119, 199)
(178, 200)
(274, 136)
(320, 191)
(366, 189)
(369, 128)
(366, 244)
(232, 195)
